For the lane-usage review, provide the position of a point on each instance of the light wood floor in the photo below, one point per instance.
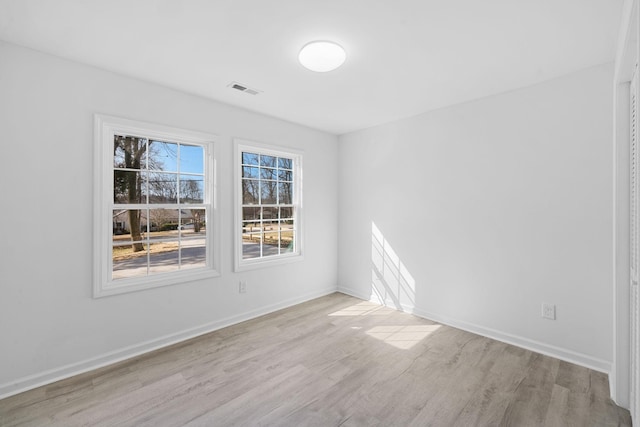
(334, 361)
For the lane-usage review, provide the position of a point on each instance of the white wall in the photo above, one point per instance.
(49, 324)
(487, 209)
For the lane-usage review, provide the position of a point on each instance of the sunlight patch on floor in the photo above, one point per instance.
(364, 308)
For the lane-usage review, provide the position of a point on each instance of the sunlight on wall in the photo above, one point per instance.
(390, 279)
(402, 336)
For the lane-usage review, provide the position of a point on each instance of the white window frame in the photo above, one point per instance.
(105, 127)
(241, 264)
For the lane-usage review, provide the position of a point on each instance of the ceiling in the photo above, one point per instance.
(404, 57)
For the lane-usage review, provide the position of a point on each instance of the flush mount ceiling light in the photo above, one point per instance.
(322, 56)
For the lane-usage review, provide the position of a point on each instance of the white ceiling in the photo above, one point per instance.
(404, 57)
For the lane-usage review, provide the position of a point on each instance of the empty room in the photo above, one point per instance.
(319, 213)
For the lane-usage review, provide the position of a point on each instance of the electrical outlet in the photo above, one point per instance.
(549, 311)
(242, 287)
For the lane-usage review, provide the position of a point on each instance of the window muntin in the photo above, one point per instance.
(158, 196)
(155, 208)
(269, 205)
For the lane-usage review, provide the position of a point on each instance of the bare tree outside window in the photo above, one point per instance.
(129, 155)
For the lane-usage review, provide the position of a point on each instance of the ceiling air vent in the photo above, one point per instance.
(243, 88)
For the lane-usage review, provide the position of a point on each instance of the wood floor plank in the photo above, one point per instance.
(333, 361)
(490, 402)
(531, 399)
(556, 412)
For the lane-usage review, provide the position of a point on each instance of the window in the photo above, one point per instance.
(155, 219)
(268, 205)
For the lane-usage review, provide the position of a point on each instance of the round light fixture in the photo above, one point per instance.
(322, 56)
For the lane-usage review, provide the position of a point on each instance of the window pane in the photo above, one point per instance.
(269, 213)
(249, 159)
(271, 241)
(129, 187)
(196, 218)
(250, 172)
(163, 221)
(271, 237)
(163, 257)
(251, 214)
(129, 152)
(250, 192)
(119, 220)
(145, 223)
(191, 189)
(187, 224)
(128, 225)
(129, 260)
(250, 227)
(268, 192)
(288, 242)
(193, 253)
(191, 159)
(286, 236)
(270, 225)
(285, 193)
(163, 188)
(285, 163)
(251, 243)
(118, 152)
(268, 173)
(285, 175)
(286, 213)
(163, 156)
(268, 161)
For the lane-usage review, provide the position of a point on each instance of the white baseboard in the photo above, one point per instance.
(537, 346)
(612, 383)
(47, 377)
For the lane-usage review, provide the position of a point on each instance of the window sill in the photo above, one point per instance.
(138, 284)
(258, 263)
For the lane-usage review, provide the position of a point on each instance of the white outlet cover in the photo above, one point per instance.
(549, 311)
